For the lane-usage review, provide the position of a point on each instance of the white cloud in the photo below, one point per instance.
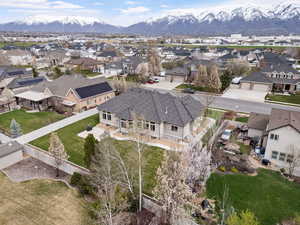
(164, 6)
(135, 10)
(38, 4)
(131, 2)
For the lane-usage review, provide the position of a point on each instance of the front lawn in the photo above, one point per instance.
(196, 88)
(243, 119)
(40, 202)
(88, 73)
(268, 195)
(293, 99)
(74, 145)
(68, 135)
(215, 114)
(28, 121)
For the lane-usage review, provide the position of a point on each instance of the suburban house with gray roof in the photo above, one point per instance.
(162, 116)
(68, 93)
(276, 75)
(280, 136)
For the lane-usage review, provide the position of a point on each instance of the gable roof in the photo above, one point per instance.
(93, 90)
(258, 121)
(281, 118)
(25, 82)
(63, 84)
(257, 77)
(154, 106)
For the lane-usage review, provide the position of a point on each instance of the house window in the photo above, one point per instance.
(274, 155)
(174, 128)
(282, 156)
(152, 126)
(146, 125)
(274, 137)
(290, 158)
(106, 116)
(123, 124)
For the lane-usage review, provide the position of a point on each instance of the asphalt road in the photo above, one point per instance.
(243, 106)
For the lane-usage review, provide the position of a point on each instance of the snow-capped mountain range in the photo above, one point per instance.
(284, 18)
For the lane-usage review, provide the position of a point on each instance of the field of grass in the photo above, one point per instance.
(68, 135)
(74, 146)
(28, 121)
(19, 44)
(268, 195)
(294, 99)
(40, 202)
(196, 88)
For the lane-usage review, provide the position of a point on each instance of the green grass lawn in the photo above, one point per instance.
(243, 119)
(19, 44)
(215, 114)
(152, 157)
(294, 99)
(268, 195)
(196, 88)
(28, 121)
(88, 73)
(74, 146)
(68, 135)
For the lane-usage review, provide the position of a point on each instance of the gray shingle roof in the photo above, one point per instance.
(154, 106)
(281, 118)
(257, 77)
(258, 121)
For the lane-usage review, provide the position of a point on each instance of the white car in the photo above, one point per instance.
(236, 80)
(226, 135)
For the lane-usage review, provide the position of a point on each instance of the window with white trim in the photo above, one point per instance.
(123, 124)
(174, 128)
(282, 156)
(152, 126)
(289, 158)
(106, 115)
(274, 155)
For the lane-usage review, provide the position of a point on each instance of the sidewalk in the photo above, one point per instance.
(26, 138)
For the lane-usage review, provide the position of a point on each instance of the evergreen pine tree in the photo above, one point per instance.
(15, 129)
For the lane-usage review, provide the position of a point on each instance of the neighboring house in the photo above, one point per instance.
(84, 64)
(8, 74)
(257, 124)
(177, 74)
(276, 75)
(108, 56)
(164, 116)
(281, 137)
(71, 93)
(10, 153)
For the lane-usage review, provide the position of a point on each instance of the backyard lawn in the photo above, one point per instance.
(268, 195)
(293, 99)
(40, 202)
(28, 121)
(74, 145)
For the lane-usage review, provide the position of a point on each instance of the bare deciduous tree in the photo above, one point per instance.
(293, 158)
(57, 150)
(214, 79)
(107, 179)
(154, 62)
(171, 189)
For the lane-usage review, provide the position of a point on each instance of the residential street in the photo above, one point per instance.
(244, 106)
(55, 126)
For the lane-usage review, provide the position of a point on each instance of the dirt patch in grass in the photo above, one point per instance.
(40, 202)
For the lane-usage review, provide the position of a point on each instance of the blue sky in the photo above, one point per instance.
(118, 12)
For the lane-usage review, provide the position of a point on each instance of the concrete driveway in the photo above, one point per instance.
(248, 95)
(163, 84)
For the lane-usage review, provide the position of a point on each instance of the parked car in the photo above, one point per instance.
(226, 135)
(188, 91)
(156, 80)
(236, 80)
(150, 81)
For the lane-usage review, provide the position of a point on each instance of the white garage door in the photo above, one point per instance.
(245, 86)
(261, 87)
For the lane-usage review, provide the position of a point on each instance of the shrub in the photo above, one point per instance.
(222, 169)
(282, 170)
(75, 179)
(234, 170)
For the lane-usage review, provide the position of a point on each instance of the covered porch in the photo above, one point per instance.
(33, 100)
(284, 87)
